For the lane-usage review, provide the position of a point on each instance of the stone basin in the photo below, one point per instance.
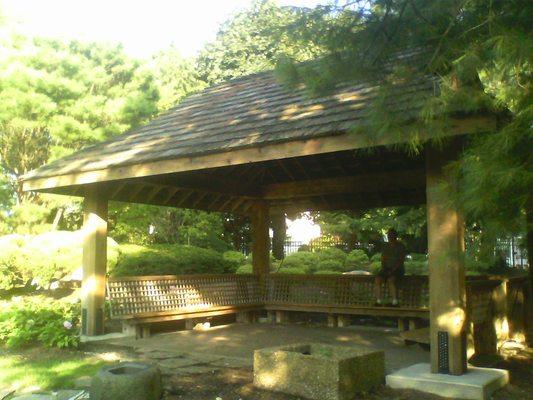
(318, 371)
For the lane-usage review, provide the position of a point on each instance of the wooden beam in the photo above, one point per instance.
(94, 262)
(352, 201)
(383, 181)
(447, 293)
(275, 151)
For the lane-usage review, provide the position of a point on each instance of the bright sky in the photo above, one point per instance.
(143, 26)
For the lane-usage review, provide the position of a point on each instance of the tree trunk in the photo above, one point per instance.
(279, 233)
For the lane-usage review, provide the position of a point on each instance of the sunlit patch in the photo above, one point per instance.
(109, 356)
(88, 287)
(452, 321)
(28, 389)
(294, 112)
(342, 97)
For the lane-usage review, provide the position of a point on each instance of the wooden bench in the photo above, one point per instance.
(341, 296)
(143, 300)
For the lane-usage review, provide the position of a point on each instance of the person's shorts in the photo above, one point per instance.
(386, 273)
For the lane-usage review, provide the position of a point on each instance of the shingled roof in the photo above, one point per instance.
(246, 112)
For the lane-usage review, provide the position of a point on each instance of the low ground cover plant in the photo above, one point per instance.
(39, 320)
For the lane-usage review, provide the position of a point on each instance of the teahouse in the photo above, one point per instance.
(254, 147)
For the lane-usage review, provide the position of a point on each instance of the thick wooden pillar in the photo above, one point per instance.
(447, 294)
(94, 263)
(279, 234)
(528, 317)
(260, 239)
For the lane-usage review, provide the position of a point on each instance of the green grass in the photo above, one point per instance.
(46, 369)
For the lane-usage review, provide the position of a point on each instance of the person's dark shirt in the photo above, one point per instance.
(393, 256)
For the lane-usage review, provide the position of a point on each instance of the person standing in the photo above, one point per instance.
(392, 267)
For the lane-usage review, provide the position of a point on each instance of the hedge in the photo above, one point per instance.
(164, 259)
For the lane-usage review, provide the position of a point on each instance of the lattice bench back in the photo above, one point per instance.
(341, 290)
(147, 295)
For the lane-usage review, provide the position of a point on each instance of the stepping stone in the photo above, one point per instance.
(233, 362)
(196, 369)
(204, 358)
(5, 393)
(177, 363)
(159, 355)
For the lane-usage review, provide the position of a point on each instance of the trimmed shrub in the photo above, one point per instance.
(375, 258)
(327, 272)
(245, 269)
(302, 260)
(329, 265)
(374, 267)
(233, 260)
(39, 320)
(291, 270)
(164, 259)
(332, 254)
(357, 260)
(416, 267)
(418, 257)
(44, 258)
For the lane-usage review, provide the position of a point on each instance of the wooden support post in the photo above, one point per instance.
(246, 317)
(403, 324)
(94, 263)
(271, 316)
(279, 234)
(415, 323)
(447, 293)
(282, 317)
(344, 321)
(146, 331)
(260, 241)
(190, 323)
(332, 320)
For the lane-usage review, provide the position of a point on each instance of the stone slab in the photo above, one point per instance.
(476, 384)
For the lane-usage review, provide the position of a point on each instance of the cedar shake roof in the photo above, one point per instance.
(247, 112)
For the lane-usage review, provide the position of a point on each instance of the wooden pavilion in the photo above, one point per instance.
(253, 147)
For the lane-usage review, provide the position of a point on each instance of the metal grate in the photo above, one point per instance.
(443, 352)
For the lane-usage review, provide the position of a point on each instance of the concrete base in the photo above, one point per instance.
(476, 384)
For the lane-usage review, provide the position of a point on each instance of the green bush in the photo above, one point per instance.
(291, 270)
(302, 260)
(44, 258)
(418, 257)
(357, 260)
(416, 267)
(329, 265)
(375, 258)
(374, 267)
(332, 253)
(39, 320)
(245, 269)
(327, 272)
(164, 259)
(233, 260)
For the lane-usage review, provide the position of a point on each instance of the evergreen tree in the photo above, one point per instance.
(480, 52)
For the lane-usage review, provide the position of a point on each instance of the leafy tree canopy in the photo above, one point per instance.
(481, 54)
(253, 41)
